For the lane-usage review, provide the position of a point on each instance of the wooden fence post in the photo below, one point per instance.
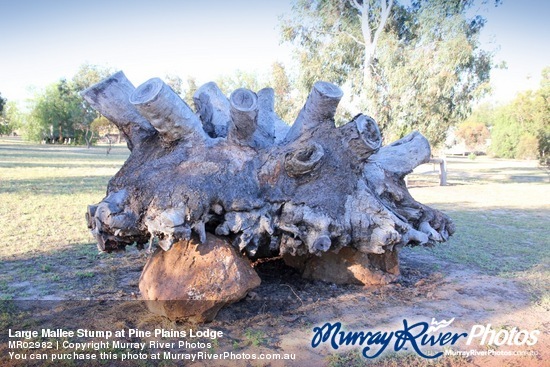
(442, 170)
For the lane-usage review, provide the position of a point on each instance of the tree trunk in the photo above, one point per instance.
(370, 40)
(110, 144)
(88, 138)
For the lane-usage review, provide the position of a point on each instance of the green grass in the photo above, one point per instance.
(254, 337)
(44, 191)
(500, 209)
(509, 244)
(501, 218)
(498, 242)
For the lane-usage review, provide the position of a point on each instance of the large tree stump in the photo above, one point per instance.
(233, 170)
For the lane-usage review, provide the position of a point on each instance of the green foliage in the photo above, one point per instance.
(2, 103)
(10, 118)
(255, 337)
(346, 359)
(102, 126)
(3, 124)
(59, 114)
(521, 129)
(327, 38)
(175, 82)
(190, 90)
(240, 79)
(527, 147)
(285, 105)
(55, 111)
(424, 73)
(88, 75)
(504, 134)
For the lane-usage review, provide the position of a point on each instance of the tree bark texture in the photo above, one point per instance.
(234, 170)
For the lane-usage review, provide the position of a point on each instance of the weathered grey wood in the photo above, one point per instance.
(213, 108)
(90, 213)
(319, 108)
(110, 97)
(167, 112)
(270, 126)
(362, 136)
(303, 160)
(244, 114)
(442, 170)
(402, 156)
(319, 189)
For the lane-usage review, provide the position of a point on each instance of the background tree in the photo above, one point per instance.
(10, 119)
(175, 82)
(474, 131)
(59, 114)
(474, 134)
(86, 76)
(286, 105)
(240, 79)
(505, 133)
(415, 66)
(3, 124)
(89, 74)
(543, 134)
(53, 112)
(189, 90)
(521, 129)
(105, 129)
(2, 103)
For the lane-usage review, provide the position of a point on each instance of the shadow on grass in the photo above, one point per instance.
(75, 272)
(60, 152)
(56, 185)
(65, 165)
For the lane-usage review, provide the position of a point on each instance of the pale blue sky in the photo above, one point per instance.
(42, 41)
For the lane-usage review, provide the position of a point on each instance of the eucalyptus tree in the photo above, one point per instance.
(58, 112)
(411, 66)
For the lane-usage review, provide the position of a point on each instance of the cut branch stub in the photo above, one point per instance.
(244, 112)
(111, 98)
(403, 155)
(213, 108)
(167, 112)
(271, 129)
(318, 190)
(320, 106)
(303, 160)
(362, 136)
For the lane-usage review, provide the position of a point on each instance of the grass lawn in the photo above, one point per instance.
(502, 212)
(44, 191)
(501, 209)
